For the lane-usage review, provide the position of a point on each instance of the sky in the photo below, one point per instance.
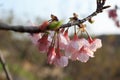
(29, 9)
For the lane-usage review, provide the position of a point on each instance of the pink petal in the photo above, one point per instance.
(43, 44)
(74, 46)
(83, 57)
(66, 36)
(77, 43)
(68, 53)
(35, 38)
(70, 50)
(84, 54)
(62, 41)
(95, 44)
(51, 55)
(51, 34)
(88, 51)
(74, 56)
(113, 13)
(62, 61)
(84, 42)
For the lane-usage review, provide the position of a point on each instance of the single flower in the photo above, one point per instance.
(43, 43)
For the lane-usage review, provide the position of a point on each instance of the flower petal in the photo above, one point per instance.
(83, 57)
(62, 61)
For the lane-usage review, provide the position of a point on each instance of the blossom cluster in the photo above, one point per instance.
(59, 47)
(112, 13)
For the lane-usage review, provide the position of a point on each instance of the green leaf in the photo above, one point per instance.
(55, 25)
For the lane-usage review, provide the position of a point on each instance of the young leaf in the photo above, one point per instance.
(55, 25)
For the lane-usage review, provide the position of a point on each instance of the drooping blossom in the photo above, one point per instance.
(87, 50)
(35, 38)
(60, 48)
(63, 42)
(55, 57)
(95, 44)
(84, 43)
(74, 45)
(83, 54)
(43, 43)
(66, 36)
(61, 61)
(112, 13)
(117, 23)
(50, 35)
(51, 55)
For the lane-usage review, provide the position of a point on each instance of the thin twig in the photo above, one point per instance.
(2, 61)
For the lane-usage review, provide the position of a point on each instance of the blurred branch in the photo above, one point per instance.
(31, 29)
(20, 28)
(2, 61)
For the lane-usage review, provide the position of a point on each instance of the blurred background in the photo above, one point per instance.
(26, 63)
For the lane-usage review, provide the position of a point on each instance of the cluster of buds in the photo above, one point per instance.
(112, 13)
(59, 47)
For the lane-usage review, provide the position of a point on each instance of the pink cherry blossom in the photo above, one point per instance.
(117, 23)
(87, 50)
(61, 61)
(66, 36)
(50, 35)
(35, 38)
(62, 30)
(60, 48)
(43, 44)
(62, 41)
(82, 42)
(56, 58)
(74, 56)
(83, 57)
(84, 54)
(73, 46)
(113, 13)
(95, 44)
(44, 25)
(51, 55)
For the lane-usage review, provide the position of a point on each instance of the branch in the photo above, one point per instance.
(31, 29)
(20, 28)
(2, 61)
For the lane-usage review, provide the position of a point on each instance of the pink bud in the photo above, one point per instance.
(44, 25)
(113, 13)
(66, 36)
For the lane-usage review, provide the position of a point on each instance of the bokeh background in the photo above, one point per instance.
(24, 60)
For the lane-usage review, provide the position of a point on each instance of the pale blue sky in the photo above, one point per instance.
(63, 9)
(43, 8)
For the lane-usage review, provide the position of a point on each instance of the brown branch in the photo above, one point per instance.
(31, 29)
(20, 28)
(2, 61)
